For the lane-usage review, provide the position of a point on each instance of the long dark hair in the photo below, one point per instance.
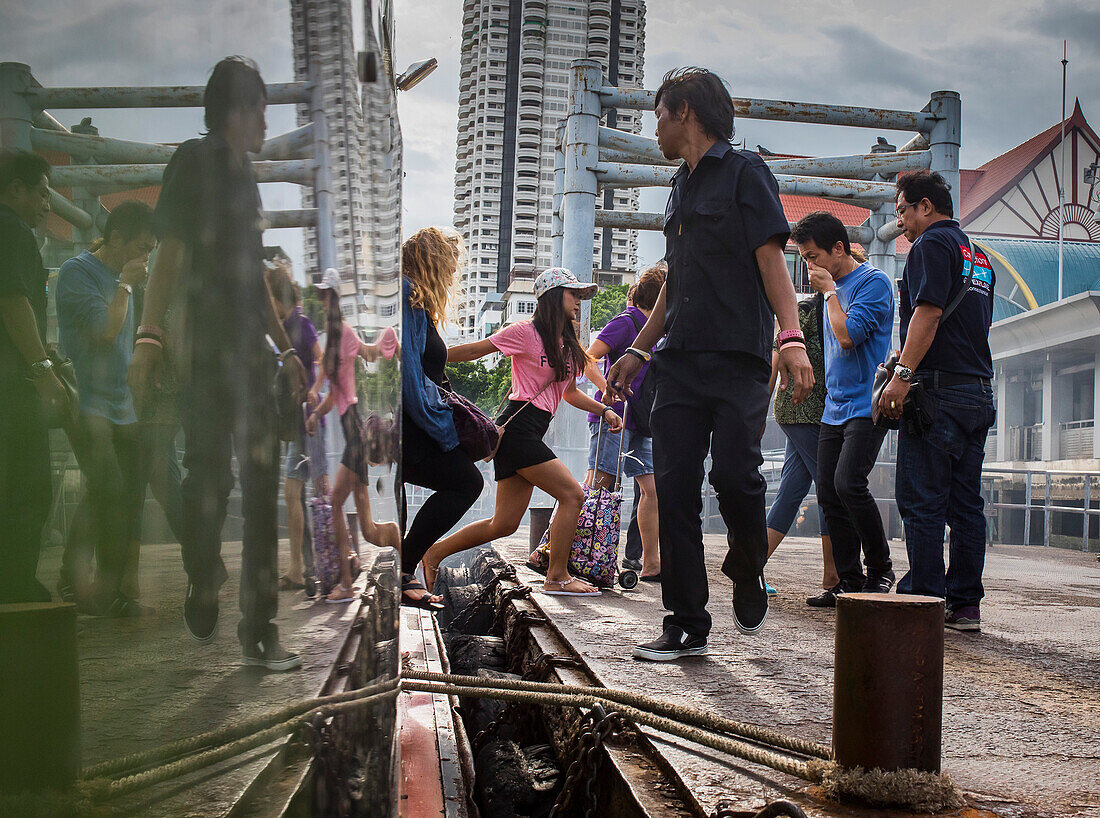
(563, 351)
(334, 326)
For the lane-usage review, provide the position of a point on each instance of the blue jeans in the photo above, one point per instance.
(799, 470)
(939, 481)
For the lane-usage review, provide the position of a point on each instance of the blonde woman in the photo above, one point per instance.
(430, 454)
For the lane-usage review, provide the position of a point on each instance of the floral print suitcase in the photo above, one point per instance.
(594, 556)
(326, 561)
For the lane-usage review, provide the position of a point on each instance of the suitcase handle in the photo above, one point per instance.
(619, 462)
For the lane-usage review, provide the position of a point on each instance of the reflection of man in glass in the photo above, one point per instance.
(27, 381)
(208, 218)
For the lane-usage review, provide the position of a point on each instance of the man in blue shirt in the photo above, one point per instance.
(95, 319)
(946, 307)
(860, 305)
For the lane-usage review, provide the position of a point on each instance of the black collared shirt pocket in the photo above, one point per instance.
(713, 228)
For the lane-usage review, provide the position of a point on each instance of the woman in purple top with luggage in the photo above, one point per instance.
(611, 344)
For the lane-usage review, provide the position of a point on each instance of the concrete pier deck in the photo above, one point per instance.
(1021, 719)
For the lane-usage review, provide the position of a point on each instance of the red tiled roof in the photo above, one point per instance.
(795, 207)
(991, 181)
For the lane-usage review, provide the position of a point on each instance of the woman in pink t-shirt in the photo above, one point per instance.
(546, 359)
(342, 348)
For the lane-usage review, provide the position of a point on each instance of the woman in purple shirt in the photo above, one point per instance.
(610, 345)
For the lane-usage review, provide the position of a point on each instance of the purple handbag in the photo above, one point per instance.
(478, 435)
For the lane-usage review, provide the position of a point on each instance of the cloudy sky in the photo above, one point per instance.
(1003, 57)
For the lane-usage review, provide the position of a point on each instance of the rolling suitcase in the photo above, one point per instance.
(594, 555)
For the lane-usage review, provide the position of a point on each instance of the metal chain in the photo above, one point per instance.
(507, 716)
(596, 726)
(463, 617)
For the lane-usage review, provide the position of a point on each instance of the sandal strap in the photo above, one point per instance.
(562, 584)
(411, 583)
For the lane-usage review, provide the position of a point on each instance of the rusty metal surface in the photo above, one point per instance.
(101, 148)
(633, 779)
(1021, 722)
(784, 111)
(299, 171)
(634, 220)
(166, 96)
(888, 681)
(306, 217)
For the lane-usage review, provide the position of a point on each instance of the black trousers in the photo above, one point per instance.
(455, 482)
(108, 518)
(226, 405)
(633, 533)
(714, 401)
(845, 456)
(26, 490)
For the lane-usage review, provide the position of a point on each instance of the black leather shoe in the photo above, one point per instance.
(879, 583)
(750, 605)
(826, 599)
(674, 643)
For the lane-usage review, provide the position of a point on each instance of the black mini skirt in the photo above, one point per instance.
(521, 444)
(355, 447)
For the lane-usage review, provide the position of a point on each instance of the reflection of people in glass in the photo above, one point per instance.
(305, 457)
(342, 347)
(430, 454)
(546, 360)
(208, 217)
(95, 320)
(27, 381)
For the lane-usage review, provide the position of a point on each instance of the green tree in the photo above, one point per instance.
(485, 387)
(313, 307)
(606, 304)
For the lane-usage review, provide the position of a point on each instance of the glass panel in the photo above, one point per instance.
(224, 234)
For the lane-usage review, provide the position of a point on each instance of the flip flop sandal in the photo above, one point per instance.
(340, 600)
(411, 583)
(287, 584)
(538, 568)
(561, 585)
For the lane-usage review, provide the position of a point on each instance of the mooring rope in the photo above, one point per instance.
(652, 704)
(106, 787)
(223, 735)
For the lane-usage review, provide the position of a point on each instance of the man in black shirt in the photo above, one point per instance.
(939, 467)
(208, 217)
(725, 232)
(27, 382)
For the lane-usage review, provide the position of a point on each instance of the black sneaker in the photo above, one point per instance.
(826, 599)
(122, 607)
(750, 605)
(674, 643)
(200, 614)
(966, 618)
(878, 583)
(272, 657)
(632, 565)
(312, 586)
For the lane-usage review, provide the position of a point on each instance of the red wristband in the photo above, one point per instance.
(789, 335)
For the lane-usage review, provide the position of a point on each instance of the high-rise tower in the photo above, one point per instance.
(323, 51)
(513, 90)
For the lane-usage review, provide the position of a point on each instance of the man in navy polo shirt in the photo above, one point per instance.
(724, 234)
(859, 303)
(940, 467)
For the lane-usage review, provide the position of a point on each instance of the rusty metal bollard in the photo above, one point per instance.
(888, 681)
(540, 521)
(39, 697)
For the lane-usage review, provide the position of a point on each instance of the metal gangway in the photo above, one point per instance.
(591, 158)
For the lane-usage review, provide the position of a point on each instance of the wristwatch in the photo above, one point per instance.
(640, 354)
(904, 373)
(40, 368)
(286, 353)
(122, 285)
(829, 295)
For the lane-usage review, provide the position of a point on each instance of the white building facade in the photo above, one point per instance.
(513, 90)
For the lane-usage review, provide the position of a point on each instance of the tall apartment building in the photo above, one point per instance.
(322, 39)
(513, 90)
